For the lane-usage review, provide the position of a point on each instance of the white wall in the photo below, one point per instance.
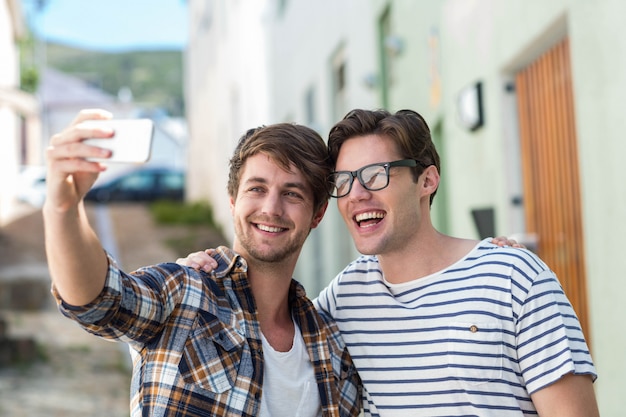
(304, 41)
(9, 122)
(599, 69)
(226, 92)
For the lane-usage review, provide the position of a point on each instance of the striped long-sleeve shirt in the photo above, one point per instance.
(474, 339)
(196, 341)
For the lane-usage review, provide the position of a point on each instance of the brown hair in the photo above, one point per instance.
(285, 144)
(406, 128)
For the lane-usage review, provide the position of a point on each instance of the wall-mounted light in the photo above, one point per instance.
(394, 45)
(470, 106)
(370, 80)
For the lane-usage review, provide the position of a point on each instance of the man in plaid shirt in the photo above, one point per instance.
(241, 341)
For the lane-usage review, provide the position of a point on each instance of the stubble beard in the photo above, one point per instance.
(268, 252)
(380, 243)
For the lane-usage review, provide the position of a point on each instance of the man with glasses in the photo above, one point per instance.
(438, 325)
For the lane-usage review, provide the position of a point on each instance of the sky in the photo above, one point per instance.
(110, 25)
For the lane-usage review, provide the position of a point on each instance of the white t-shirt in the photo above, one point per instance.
(476, 338)
(289, 387)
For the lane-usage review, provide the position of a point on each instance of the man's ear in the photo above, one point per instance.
(430, 180)
(317, 218)
(231, 203)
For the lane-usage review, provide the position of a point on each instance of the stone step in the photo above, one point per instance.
(15, 350)
(25, 294)
(4, 329)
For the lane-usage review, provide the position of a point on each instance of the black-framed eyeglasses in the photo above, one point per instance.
(372, 177)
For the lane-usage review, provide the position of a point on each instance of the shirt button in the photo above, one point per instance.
(473, 328)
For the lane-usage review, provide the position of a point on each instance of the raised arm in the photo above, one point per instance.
(76, 259)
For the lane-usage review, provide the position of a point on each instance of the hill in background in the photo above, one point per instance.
(155, 78)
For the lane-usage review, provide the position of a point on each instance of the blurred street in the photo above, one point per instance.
(77, 374)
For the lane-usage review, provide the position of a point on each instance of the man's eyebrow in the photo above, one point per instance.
(261, 180)
(299, 185)
(255, 180)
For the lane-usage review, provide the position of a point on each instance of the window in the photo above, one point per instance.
(172, 181)
(138, 181)
(339, 87)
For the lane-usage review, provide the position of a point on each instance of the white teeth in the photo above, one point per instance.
(368, 216)
(269, 228)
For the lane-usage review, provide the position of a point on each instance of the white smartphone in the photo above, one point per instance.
(131, 143)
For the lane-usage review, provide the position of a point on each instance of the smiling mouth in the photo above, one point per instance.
(270, 229)
(369, 219)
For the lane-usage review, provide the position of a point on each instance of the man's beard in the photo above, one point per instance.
(270, 254)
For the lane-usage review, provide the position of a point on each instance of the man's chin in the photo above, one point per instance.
(365, 246)
(271, 255)
(366, 250)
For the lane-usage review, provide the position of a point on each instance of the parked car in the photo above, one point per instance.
(143, 184)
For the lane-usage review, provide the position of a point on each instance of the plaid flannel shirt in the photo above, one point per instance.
(196, 343)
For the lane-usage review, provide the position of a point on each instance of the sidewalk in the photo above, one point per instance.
(80, 375)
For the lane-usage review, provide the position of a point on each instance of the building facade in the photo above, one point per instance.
(522, 97)
(19, 112)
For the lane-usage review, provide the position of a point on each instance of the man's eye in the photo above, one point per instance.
(293, 194)
(341, 183)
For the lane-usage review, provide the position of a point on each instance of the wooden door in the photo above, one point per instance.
(550, 170)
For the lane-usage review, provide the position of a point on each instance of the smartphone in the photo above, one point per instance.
(131, 142)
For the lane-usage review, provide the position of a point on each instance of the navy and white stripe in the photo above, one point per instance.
(474, 339)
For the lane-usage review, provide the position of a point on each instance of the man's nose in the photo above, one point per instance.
(358, 191)
(272, 204)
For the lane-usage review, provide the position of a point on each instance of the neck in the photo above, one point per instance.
(269, 283)
(271, 294)
(270, 288)
(429, 253)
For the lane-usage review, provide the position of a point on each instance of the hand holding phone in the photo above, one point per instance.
(131, 141)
